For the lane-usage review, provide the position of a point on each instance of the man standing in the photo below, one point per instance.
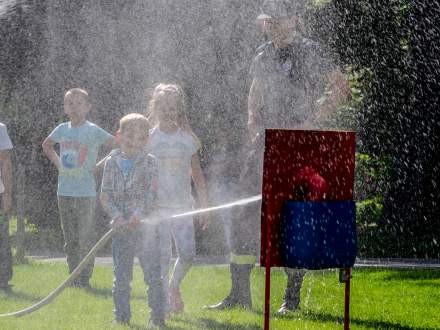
(5, 192)
(289, 75)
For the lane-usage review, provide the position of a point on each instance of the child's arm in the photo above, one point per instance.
(337, 92)
(48, 149)
(149, 202)
(109, 144)
(107, 199)
(99, 167)
(6, 177)
(200, 184)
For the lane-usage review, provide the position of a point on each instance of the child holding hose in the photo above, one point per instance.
(129, 194)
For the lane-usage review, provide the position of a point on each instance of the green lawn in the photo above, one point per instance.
(380, 300)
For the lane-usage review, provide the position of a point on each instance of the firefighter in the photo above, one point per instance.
(289, 74)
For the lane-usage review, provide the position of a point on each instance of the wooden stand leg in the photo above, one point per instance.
(267, 288)
(267, 299)
(347, 277)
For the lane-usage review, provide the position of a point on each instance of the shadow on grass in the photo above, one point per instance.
(413, 275)
(19, 295)
(205, 323)
(374, 324)
(168, 326)
(432, 285)
(100, 292)
(107, 293)
(143, 327)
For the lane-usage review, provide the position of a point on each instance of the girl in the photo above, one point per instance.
(175, 146)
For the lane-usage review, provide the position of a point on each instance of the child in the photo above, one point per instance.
(5, 192)
(175, 146)
(128, 194)
(79, 142)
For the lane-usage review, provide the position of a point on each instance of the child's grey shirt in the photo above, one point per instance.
(133, 194)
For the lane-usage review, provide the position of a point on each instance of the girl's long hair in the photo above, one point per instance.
(182, 120)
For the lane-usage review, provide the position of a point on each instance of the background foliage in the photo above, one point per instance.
(390, 48)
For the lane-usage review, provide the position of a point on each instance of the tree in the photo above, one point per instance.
(392, 45)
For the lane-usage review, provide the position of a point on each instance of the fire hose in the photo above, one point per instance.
(102, 241)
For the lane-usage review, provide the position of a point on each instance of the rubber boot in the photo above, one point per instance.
(293, 291)
(240, 289)
(244, 294)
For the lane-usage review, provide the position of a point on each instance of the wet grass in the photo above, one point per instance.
(381, 299)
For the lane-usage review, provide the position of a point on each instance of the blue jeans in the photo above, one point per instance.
(142, 242)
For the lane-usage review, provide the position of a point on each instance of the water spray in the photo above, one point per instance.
(104, 239)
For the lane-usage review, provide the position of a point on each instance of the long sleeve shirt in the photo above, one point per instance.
(125, 193)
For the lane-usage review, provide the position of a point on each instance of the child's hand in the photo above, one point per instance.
(133, 222)
(204, 221)
(95, 170)
(59, 167)
(118, 223)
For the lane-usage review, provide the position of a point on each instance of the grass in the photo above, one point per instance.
(380, 299)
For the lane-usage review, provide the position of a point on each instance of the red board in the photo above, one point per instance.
(326, 157)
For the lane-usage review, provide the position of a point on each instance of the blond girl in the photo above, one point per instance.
(175, 146)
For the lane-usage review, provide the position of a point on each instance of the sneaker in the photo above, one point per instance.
(117, 322)
(6, 288)
(287, 308)
(176, 302)
(156, 324)
(229, 302)
(85, 286)
(81, 285)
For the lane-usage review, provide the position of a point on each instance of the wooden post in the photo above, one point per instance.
(267, 299)
(347, 277)
(267, 288)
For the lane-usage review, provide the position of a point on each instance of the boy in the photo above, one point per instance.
(129, 194)
(79, 142)
(5, 192)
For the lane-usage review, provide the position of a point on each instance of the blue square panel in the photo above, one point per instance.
(318, 235)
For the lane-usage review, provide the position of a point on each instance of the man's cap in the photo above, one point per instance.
(281, 9)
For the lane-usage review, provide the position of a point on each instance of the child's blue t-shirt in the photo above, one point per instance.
(78, 152)
(127, 165)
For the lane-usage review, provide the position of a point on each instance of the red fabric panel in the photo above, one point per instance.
(302, 165)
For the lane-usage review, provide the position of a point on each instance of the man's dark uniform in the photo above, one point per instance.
(292, 80)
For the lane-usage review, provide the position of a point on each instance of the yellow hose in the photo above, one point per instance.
(104, 239)
(55, 293)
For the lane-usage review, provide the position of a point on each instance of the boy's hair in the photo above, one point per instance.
(78, 92)
(175, 89)
(134, 120)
